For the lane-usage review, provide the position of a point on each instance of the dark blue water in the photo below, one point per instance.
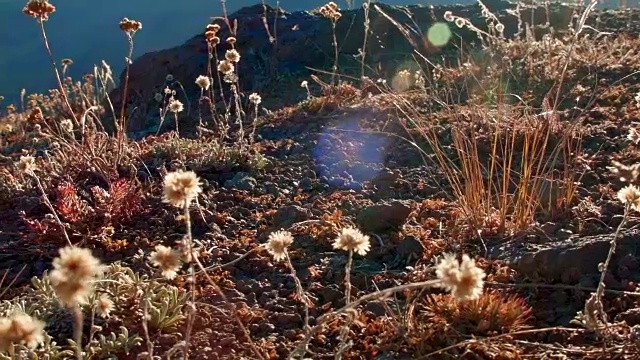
(87, 32)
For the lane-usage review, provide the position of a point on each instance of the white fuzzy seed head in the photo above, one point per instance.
(351, 239)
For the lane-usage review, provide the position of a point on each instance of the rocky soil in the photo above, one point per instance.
(343, 159)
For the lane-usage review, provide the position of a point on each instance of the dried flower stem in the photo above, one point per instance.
(50, 206)
(63, 93)
(334, 73)
(77, 330)
(612, 250)
(301, 294)
(192, 307)
(344, 331)
(145, 328)
(177, 129)
(120, 123)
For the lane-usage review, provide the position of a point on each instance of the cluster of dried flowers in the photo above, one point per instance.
(181, 188)
(39, 9)
(331, 11)
(130, 26)
(74, 272)
(463, 279)
(20, 329)
(227, 66)
(211, 34)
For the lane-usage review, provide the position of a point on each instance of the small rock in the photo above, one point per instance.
(289, 215)
(410, 248)
(241, 181)
(631, 317)
(380, 218)
(376, 308)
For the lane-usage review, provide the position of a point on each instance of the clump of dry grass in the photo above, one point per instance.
(439, 321)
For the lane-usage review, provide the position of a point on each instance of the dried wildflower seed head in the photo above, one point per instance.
(471, 280)
(213, 27)
(278, 243)
(225, 67)
(499, 27)
(464, 280)
(304, 84)
(73, 271)
(232, 55)
(331, 11)
(39, 9)
(130, 26)
(103, 306)
(351, 239)
(626, 173)
(460, 22)
(27, 164)
(448, 16)
(66, 125)
(181, 187)
(20, 328)
(231, 40)
(255, 98)
(630, 195)
(203, 82)
(167, 260)
(175, 106)
(210, 37)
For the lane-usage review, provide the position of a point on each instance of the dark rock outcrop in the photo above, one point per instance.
(304, 44)
(573, 260)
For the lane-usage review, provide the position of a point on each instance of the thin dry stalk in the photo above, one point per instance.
(45, 198)
(77, 330)
(192, 292)
(63, 91)
(121, 125)
(301, 294)
(344, 331)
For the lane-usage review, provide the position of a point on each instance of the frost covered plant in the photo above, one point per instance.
(352, 240)
(463, 279)
(278, 243)
(167, 260)
(181, 187)
(20, 329)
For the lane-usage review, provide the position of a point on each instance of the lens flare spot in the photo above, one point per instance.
(439, 34)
